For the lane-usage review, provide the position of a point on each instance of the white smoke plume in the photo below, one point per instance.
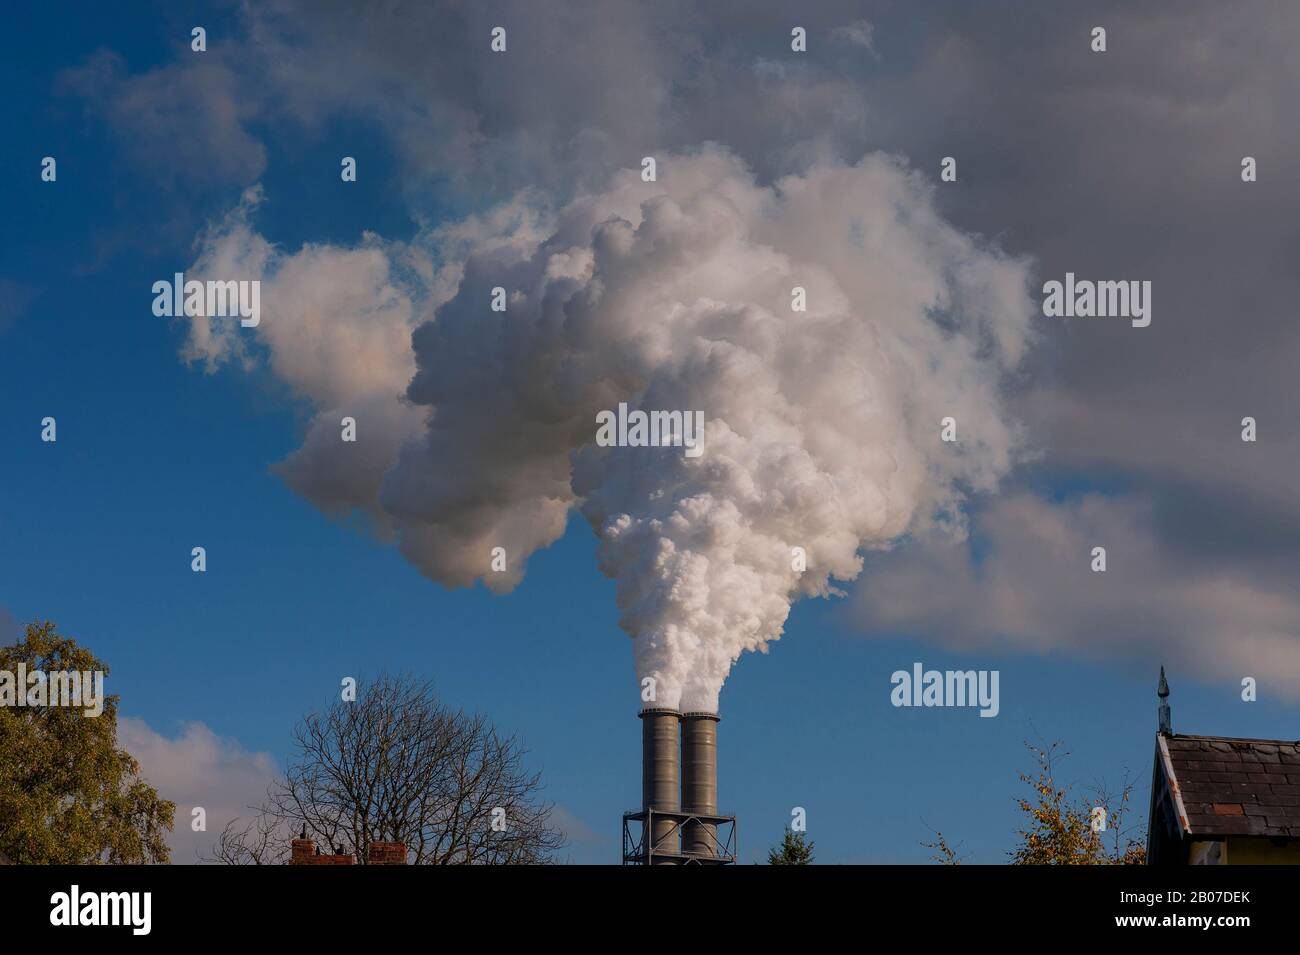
(822, 428)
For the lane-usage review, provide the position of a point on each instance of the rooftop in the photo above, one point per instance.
(1231, 786)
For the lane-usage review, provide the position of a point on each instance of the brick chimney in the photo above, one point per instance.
(303, 851)
(387, 853)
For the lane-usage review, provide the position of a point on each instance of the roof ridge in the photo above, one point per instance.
(1232, 739)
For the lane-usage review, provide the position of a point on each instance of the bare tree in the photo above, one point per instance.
(262, 841)
(1127, 838)
(399, 765)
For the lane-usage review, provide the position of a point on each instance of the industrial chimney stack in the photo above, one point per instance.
(679, 821)
(700, 783)
(659, 732)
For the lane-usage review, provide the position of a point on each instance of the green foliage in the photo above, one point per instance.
(795, 849)
(1059, 826)
(68, 795)
(1059, 829)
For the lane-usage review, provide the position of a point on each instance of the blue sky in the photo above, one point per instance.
(154, 458)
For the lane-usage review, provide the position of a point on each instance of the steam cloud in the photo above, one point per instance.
(477, 428)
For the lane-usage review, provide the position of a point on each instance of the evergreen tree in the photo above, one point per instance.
(795, 849)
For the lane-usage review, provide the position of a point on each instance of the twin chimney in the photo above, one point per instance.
(675, 837)
(700, 782)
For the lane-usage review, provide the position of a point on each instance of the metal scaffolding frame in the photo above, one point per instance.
(637, 848)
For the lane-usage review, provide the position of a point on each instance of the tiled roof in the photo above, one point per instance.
(1230, 787)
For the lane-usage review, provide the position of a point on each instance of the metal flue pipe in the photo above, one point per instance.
(700, 782)
(660, 729)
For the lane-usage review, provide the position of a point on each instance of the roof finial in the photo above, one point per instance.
(1166, 725)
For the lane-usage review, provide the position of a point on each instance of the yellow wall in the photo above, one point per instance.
(1206, 853)
(1240, 851)
(1262, 852)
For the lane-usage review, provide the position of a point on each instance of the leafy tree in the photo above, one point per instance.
(397, 764)
(795, 849)
(1059, 829)
(68, 795)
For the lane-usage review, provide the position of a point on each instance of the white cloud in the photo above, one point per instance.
(187, 121)
(198, 768)
(1029, 587)
(859, 33)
